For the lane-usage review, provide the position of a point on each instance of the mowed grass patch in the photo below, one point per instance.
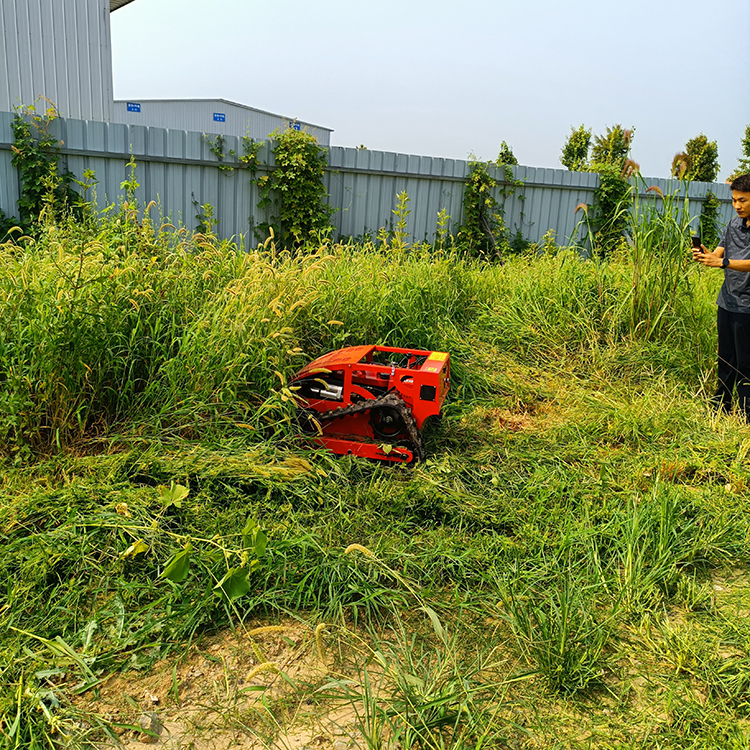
(462, 529)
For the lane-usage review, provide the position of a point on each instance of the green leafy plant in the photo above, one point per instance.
(699, 162)
(216, 146)
(130, 185)
(234, 582)
(441, 231)
(249, 157)
(482, 220)
(612, 203)
(575, 152)
(710, 220)
(743, 165)
(295, 187)
(605, 220)
(612, 148)
(36, 155)
(206, 221)
(401, 212)
(506, 155)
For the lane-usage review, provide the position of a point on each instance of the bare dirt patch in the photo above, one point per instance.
(250, 689)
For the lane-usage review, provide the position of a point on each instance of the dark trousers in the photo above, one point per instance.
(734, 360)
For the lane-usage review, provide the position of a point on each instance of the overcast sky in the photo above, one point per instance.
(451, 79)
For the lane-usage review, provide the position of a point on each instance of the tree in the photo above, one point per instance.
(613, 147)
(702, 159)
(575, 152)
(506, 156)
(743, 165)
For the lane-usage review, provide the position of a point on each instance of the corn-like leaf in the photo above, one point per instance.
(254, 538)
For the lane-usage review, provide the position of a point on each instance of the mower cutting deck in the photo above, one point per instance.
(372, 401)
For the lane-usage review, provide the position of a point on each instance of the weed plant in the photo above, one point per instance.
(661, 265)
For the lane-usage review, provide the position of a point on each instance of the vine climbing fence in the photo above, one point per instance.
(181, 171)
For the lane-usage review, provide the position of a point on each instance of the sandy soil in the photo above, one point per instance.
(255, 689)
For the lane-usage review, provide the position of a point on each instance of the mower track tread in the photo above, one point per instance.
(390, 399)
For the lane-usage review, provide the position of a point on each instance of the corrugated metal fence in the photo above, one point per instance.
(178, 170)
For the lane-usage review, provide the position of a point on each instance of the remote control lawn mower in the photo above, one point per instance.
(371, 401)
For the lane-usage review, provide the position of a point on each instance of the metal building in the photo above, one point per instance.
(215, 116)
(61, 50)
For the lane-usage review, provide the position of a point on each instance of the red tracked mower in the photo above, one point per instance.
(372, 401)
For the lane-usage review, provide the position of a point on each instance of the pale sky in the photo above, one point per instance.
(455, 78)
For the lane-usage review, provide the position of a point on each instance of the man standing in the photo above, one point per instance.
(733, 319)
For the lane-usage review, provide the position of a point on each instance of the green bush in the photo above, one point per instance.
(295, 186)
(575, 152)
(612, 202)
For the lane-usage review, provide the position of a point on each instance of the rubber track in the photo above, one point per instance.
(392, 400)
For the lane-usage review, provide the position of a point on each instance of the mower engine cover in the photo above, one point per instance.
(372, 401)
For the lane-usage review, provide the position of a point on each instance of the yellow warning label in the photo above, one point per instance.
(438, 357)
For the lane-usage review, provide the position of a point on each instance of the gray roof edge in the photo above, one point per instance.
(115, 4)
(227, 101)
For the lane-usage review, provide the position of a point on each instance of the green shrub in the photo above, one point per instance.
(575, 152)
(295, 186)
(612, 203)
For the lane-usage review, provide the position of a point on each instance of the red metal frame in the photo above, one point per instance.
(359, 373)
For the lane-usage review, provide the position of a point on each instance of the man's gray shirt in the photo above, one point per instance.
(734, 295)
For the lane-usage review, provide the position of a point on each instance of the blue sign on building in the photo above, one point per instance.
(220, 117)
(294, 125)
(134, 107)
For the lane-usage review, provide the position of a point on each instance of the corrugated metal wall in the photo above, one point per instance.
(215, 116)
(363, 186)
(177, 169)
(547, 200)
(59, 49)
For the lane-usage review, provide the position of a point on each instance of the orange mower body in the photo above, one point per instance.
(372, 401)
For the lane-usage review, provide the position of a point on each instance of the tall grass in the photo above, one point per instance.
(189, 333)
(661, 264)
(102, 324)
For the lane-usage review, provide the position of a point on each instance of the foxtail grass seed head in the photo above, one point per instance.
(358, 548)
(319, 630)
(268, 666)
(656, 189)
(630, 168)
(268, 629)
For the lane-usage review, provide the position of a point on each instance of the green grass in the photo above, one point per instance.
(566, 569)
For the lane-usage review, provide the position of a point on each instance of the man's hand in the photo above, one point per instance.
(710, 259)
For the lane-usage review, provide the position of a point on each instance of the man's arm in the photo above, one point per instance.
(714, 259)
